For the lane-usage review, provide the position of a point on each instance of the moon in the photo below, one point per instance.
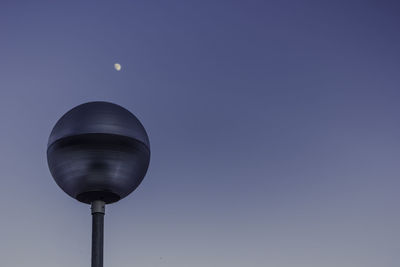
(117, 66)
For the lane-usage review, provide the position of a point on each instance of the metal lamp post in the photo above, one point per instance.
(98, 153)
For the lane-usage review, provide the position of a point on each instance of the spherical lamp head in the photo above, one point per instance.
(98, 151)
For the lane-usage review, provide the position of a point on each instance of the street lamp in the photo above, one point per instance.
(98, 153)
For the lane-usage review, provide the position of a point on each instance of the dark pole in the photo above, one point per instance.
(98, 153)
(98, 210)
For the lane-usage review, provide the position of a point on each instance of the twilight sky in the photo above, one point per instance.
(274, 128)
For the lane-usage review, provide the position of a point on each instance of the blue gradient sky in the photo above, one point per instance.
(274, 128)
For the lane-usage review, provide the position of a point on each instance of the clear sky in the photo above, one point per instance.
(274, 128)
